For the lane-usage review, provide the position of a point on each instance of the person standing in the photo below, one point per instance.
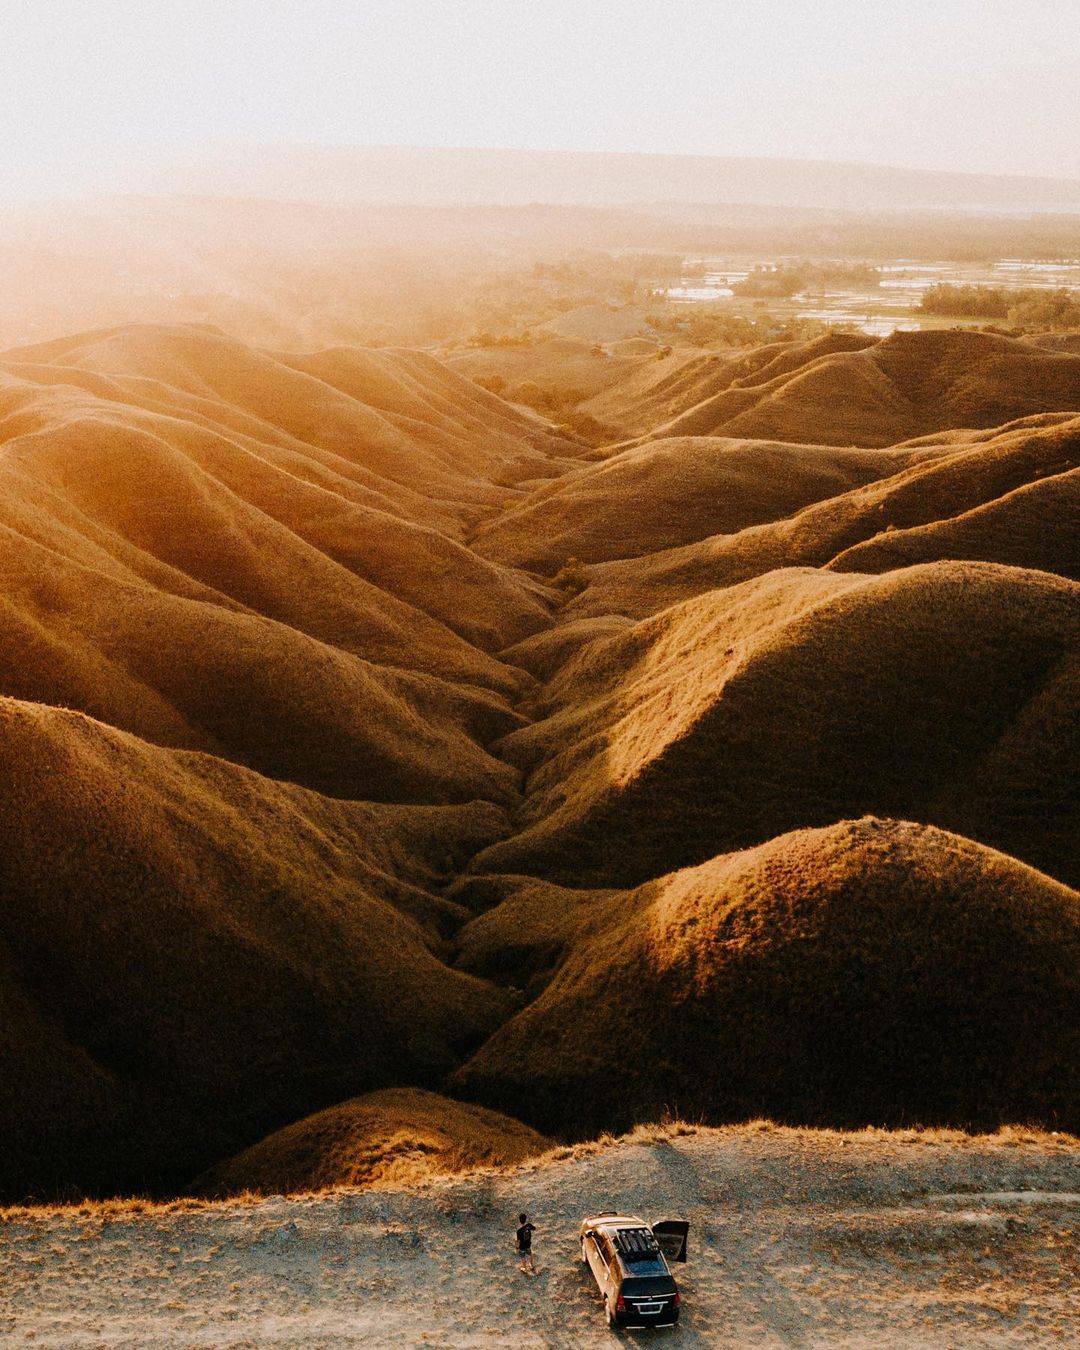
(524, 1244)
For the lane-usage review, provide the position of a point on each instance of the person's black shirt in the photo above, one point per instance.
(524, 1237)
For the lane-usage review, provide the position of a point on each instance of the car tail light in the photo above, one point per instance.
(620, 1305)
(676, 1298)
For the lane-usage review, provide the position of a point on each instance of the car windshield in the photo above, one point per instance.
(637, 1287)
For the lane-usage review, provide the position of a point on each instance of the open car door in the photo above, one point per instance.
(672, 1235)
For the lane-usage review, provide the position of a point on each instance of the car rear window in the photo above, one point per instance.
(637, 1286)
(646, 1269)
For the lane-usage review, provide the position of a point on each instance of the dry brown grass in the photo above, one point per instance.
(658, 394)
(179, 561)
(408, 426)
(1035, 526)
(814, 1236)
(265, 517)
(94, 1214)
(206, 675)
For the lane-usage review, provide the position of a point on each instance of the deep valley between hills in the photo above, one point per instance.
(394, 784)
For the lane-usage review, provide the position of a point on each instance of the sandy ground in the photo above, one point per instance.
(798, 1239)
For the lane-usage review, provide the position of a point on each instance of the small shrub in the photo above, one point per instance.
(494, 384)
(572, 577)
(584, 427)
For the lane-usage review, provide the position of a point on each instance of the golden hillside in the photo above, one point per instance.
(872, 970)
(669, 492)
(847, 389)
(943, 692)
(998, 496)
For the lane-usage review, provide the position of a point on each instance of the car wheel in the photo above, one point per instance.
(610, 1315)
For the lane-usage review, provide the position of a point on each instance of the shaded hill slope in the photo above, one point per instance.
(944, 693)
(385, 1140)
(1035, 526)
(192, 954)
(870, 971)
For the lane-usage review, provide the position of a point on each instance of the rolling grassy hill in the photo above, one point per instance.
(363, 733)
(848, 389)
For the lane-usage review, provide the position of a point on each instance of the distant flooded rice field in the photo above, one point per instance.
(879, 310)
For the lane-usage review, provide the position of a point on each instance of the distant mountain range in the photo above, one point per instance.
(514, 177)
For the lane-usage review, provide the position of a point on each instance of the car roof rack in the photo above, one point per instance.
(636, 1244)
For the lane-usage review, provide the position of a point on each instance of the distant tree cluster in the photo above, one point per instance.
(706, 326)
(1057, 310)
(771, 283)
(549, 399)
(1029, 308)
(486, 339)
(849, 276)
(788, 279)
(560, 404)
(494, 384)
(971, 302)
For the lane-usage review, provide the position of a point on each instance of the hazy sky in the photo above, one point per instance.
(90, 87)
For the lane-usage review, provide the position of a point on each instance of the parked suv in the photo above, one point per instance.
(629, 1261)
